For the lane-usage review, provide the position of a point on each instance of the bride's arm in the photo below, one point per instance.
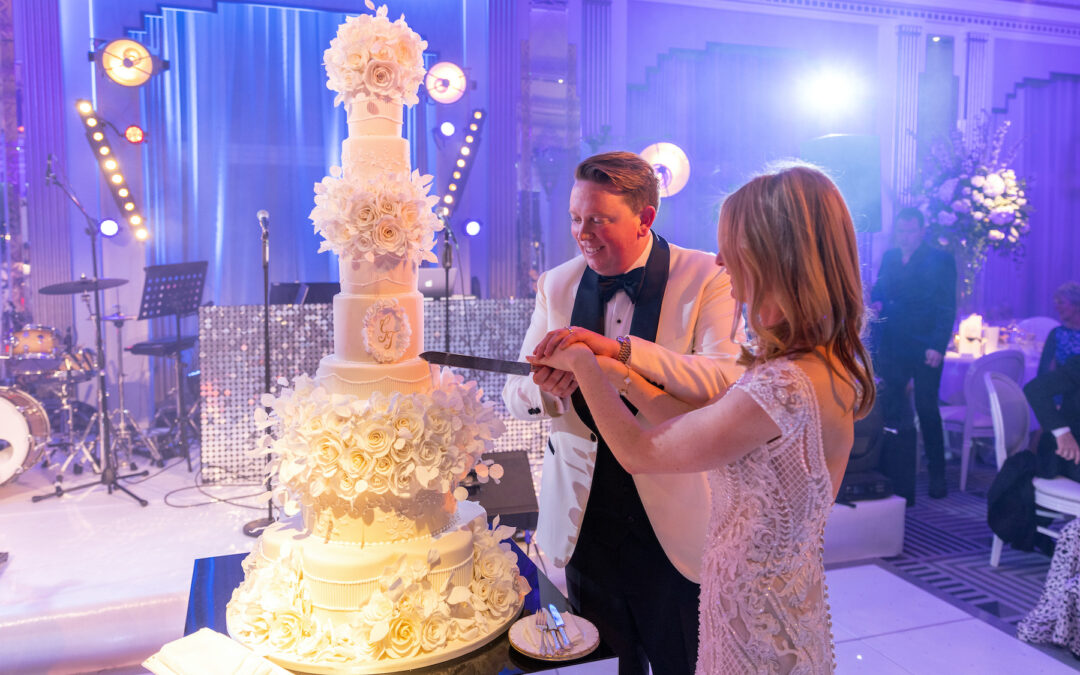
(652, 403)
(697, 440)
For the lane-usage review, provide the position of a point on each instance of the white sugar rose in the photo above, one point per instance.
(493, 564)
(286, 629)
(257, 630)
(402, 449)
(327, 449)
(403, 478)
(379, 483)
(381, 77)
(411, 421)
(427, 453)
(434, 632)
(357, 463)
(403, 639)
(389, 237)
(378, 609)
(366, 216)
(375, 437)
(384, 466)
(503, 598)
(482, 588)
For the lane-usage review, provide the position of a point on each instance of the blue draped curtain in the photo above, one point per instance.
(242, 121)
(1044, 116)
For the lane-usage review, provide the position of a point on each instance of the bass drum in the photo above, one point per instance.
(24, 431)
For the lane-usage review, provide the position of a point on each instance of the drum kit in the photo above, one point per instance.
(40, 415)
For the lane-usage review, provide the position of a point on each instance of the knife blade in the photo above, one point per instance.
(554, 630)
(559, 623)
(477, 363)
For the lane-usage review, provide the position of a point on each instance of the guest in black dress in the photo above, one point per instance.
(915, 296)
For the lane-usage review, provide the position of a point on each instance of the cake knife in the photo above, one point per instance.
(559, 623)
(477, 363)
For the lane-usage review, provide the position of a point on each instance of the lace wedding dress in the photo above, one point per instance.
(763, 598)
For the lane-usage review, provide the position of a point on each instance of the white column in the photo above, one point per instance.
(978, 77)
(909, 58)
(596, 47)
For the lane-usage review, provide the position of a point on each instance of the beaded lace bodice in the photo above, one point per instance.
(763, 597)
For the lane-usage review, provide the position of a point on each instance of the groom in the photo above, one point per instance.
(631, 545)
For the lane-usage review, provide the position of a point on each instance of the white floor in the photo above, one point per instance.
(94, 582)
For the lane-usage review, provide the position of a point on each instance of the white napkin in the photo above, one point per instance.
(206, 652)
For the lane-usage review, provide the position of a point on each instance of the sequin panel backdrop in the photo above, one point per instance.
(230, 356)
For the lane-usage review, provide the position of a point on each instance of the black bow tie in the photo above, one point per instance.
(630, 282)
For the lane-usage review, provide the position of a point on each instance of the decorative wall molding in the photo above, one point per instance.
(909, 64)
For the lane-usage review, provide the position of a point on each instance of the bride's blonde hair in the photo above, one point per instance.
(788, 236)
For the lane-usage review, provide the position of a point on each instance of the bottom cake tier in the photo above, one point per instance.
(329, 607)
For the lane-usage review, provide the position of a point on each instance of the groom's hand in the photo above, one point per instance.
(558, 383)
(561, 338)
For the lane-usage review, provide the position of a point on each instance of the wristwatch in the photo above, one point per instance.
(624, 348)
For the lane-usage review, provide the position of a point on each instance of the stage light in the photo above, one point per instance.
(469, 139)
(472, 228)
(104, 150)
(135, 219)
(473, 127)
(461, 163)
(98, 136)
(452, 187)
(108, 227)
(445, 82)
(116, 179)
(447, 128)
(129, 206)
(671, 165)
(449, 199)
(91, 122)
(84, 107)
(110, 164)
(465, 150)
(478, 114)
(936, 38)
(141, 234)
(122, 192)
(456, 175)
(128, 63)
(134, 134)
(831, 91)
(445, 210)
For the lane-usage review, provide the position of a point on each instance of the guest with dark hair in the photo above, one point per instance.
(1063, 341)
(915, 297)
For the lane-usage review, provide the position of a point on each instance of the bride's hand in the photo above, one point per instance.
(561, 338)
(569, 358)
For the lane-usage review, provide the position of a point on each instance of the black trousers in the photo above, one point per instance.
(643, 607)
(897, 367)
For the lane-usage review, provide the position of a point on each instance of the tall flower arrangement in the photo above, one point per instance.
(974, 201)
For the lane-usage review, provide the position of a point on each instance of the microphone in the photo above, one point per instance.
(264, 219)
(49, 175)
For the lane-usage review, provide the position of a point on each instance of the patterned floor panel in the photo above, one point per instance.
(947, 548)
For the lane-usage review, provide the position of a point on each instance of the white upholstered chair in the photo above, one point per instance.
(972, 419)
(1054, 497)
(1039, 326)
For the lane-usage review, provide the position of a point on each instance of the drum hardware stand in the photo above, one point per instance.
(108, 477)
(127, 429)
(175, 289)
(69, 432)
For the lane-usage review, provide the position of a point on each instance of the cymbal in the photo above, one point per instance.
(80, 286)
(119, 317)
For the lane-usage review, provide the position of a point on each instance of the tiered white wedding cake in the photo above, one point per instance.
(381, 567)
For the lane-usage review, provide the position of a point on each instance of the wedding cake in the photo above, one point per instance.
(382, 565)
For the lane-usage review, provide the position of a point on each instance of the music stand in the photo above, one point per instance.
(175, 289)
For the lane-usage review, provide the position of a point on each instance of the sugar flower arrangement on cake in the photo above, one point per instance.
(410, 614)
(385, 217)
(333, 444)
(372, 58)
(974, 201)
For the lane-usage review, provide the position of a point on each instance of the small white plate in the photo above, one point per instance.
(584, 645)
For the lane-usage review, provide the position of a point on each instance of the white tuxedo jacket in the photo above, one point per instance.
(692, 359)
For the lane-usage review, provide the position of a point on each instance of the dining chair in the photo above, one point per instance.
(1039, 326)
(972, 419)
(1055, 498)
(1011, 421)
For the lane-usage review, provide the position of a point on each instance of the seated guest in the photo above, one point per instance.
(1058, 453)
(1064, 340)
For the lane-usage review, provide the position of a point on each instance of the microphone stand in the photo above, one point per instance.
(255, 528)
(447, 263)
(108, 461)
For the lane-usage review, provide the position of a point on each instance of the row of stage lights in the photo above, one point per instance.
(110, 168)
(462, 167)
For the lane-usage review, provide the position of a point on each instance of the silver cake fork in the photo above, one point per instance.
(541, 627)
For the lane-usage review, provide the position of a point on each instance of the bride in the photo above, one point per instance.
(777, 442)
